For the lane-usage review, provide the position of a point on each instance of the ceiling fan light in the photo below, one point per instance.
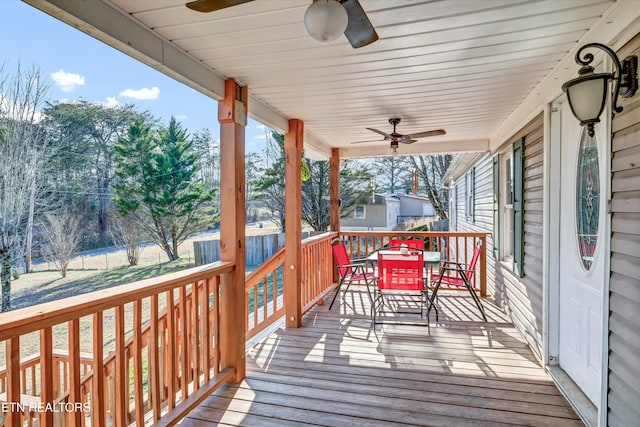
(326, 20)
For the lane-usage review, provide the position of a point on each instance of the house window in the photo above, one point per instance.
(470, 195)
(360, 212)
(508, 187)
(507, 209)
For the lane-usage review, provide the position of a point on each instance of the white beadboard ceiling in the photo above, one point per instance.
(461, 65)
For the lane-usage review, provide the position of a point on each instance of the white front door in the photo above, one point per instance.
(582, 252)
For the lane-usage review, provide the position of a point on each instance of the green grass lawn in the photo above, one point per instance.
(40, 287)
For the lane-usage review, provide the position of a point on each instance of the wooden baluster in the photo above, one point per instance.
(154, 365)
(75, 396)
(137, 363)
(33, 381)
(46, 375)
(98, 416)
(162, 357)
(171, 351)
(55, 369)
(216, 325)
(23, 383)
(184, 343)
(206, 331)
(121, 380)
(13, 380)
(254, 293)
(195, 335)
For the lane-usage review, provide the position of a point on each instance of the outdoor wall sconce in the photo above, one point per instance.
(587, 93)
(326, 20)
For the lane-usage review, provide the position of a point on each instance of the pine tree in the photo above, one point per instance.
(157, 185)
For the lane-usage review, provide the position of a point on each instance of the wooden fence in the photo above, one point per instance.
(258, 248)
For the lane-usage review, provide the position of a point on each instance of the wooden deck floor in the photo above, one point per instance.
(335, 371)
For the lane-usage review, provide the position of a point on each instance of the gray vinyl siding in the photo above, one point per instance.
(523, 296)
(520, 298)
(624, 284)
(483, 218)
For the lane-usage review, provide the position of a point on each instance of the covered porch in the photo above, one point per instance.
(481, 70)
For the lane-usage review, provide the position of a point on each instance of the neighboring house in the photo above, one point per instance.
(379, 213)
(563, 259)
(387, 211)
(414, 207)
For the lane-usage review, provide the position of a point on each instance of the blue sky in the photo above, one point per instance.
(81, 67)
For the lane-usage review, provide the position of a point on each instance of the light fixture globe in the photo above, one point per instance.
(587, 95)
(326, 20)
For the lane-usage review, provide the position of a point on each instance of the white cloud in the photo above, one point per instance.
(68, 82)
(141, 94)
(181, 117)
(111, 102)
(19, 111)
(262, 136)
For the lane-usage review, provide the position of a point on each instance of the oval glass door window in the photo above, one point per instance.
(587, 198)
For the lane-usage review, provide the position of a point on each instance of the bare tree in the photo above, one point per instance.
(22, 148)
(393, 172)
(431, 169)
(127, 234)
(62, 238)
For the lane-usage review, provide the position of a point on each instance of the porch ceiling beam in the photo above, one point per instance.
(613, 29)
(446, 147)
(314, 148)
(112, 26)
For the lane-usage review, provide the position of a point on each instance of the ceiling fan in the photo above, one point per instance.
(325, 20)
(399, 138)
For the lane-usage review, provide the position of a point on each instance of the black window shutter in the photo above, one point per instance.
(496, 207)
(518, 207)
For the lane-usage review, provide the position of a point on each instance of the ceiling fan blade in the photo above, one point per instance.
(359, 30)
(213, 5)
(406, 140)
(386, 135)
(370, 140)
(426, 133)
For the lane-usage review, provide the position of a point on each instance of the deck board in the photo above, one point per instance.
(336, 371)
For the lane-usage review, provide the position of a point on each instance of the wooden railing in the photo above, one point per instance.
(317, 270)
(263, 295)
(142, 382)
(139, 380)
(264, 287)
(453, 246)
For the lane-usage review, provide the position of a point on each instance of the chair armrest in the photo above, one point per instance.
(459, 270)
(451, 262)
(353, 265)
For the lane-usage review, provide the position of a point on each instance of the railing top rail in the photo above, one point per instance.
(418, 233)
(29, 319)
(319, 237)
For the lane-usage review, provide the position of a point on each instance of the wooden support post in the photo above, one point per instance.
(293, 142)
(334, 190)
(232, 115)
(483, 267)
